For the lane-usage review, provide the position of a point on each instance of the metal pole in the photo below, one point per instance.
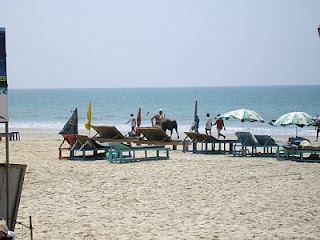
(31, 228)
(7, 171)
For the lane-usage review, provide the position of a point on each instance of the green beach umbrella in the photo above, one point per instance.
(300, 119)
(244, 115)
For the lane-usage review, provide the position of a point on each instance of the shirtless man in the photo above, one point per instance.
(159, 118)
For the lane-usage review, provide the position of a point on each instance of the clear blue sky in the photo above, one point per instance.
(75, 43)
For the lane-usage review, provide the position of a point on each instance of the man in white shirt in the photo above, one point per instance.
(133, 123)
(208, 124)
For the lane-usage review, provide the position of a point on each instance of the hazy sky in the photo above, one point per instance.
(75, 43)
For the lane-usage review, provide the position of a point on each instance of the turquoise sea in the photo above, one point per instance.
(51, 108)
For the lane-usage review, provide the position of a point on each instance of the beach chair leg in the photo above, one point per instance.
(183, 146)
(194, 147)
(121, 157)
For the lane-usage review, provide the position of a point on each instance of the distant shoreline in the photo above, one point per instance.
(221, 86)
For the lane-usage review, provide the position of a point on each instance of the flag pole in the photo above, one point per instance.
(7, 174)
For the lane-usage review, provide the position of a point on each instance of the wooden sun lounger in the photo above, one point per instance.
(118, 152)
(267, 143)
(246, 142)
(13, 136)
(84, 144)
(154, 135)
(70, 139)
(205, 141)
(111, 134)
(286, 151)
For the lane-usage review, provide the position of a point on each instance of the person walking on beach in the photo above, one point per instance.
(159, 118)
(208, 124)
(220, 125)
(317, 128)
(133, 123)
(195, 125)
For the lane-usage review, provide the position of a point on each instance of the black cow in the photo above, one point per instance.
(168, 124)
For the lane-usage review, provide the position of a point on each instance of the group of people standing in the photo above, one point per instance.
(159, 119)
(208, 126)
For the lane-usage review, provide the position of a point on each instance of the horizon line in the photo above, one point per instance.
(148, 87)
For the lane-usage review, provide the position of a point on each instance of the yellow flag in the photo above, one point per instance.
(88, 123)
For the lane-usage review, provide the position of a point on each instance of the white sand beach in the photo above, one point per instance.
(190, 196)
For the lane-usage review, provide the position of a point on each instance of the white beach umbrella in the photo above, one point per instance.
(300, 119)
(244, 115)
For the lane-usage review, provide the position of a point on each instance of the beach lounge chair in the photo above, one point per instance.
(85, 145)
(123, 153)
(206, 141)
(293, 152)
(246, 141)
(70, 141)
(155, 135)
(266, 142)
(111, 134)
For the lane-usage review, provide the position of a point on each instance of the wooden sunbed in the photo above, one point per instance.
(111, 134)
(122, 153)
(286, 151)
(70, 141)
(206, 141)
(247, 145)
(84, 144)
(154, 135)
(266, 142)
